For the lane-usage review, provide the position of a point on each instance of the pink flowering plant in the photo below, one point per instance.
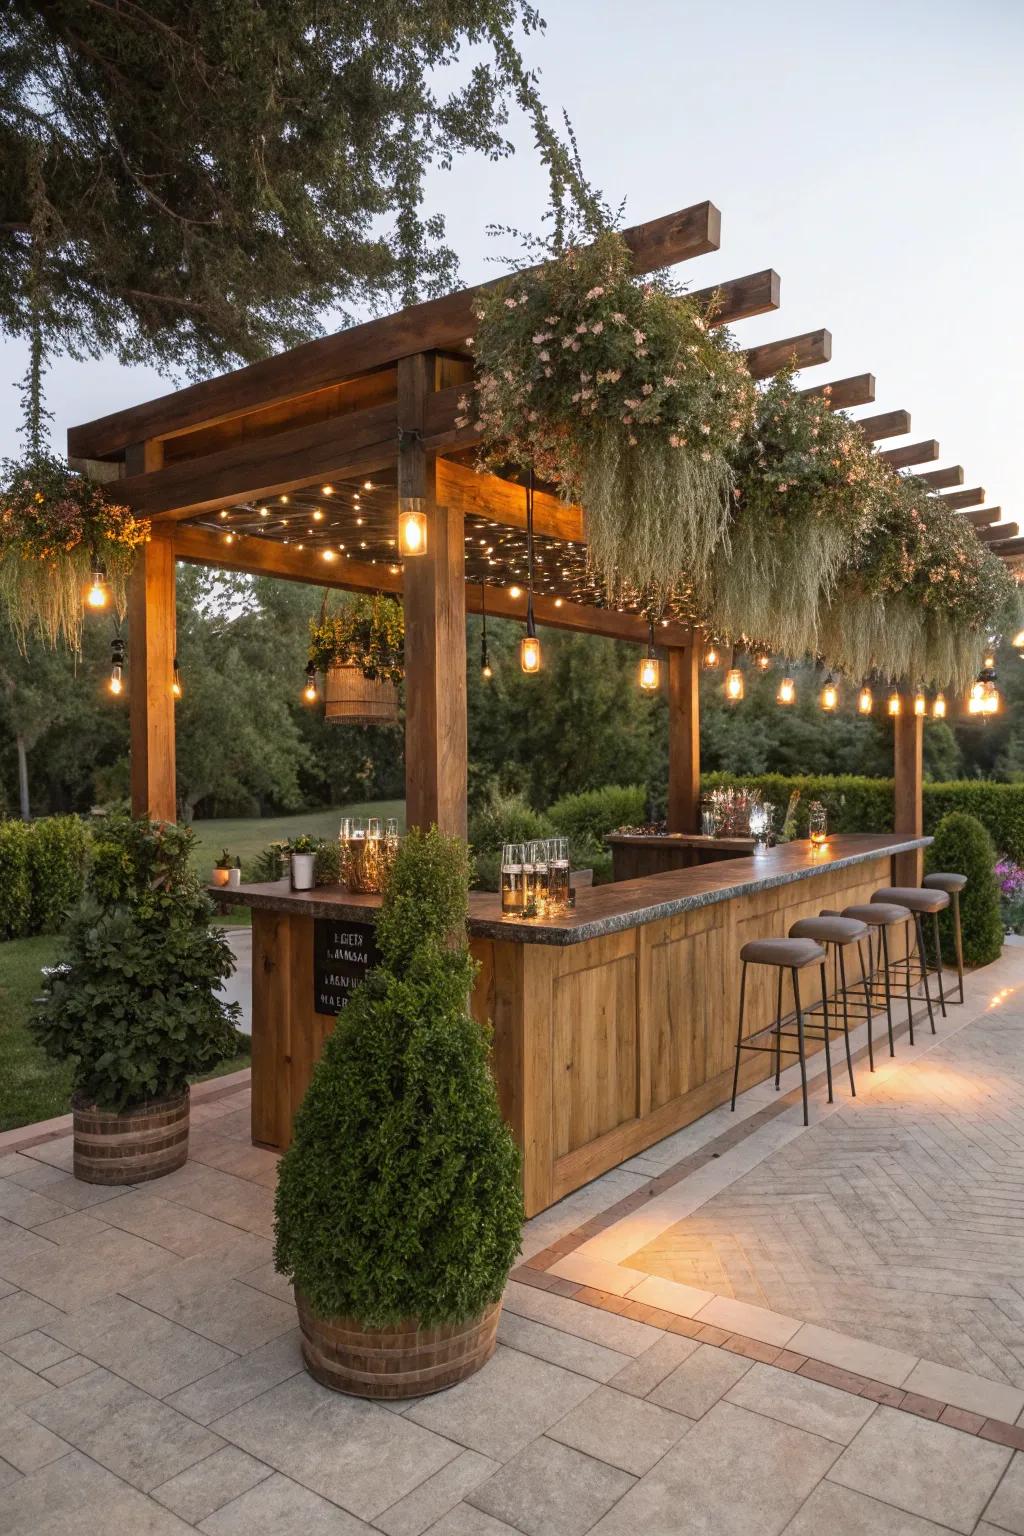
(621, 393)
(56, 528)
(805, 499)
(1010, 877)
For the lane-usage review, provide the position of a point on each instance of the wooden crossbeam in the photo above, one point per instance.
(438, 324)
(982, 517)
(913, 453)
(845, 393)
(268, 557)
(887, 424)
(795, 351)
(999, 533)
(742, 298)
(1011, 549)
(476, 495)
(959, 499)
(939, 479)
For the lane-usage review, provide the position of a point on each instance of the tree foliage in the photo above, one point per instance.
(193, 184)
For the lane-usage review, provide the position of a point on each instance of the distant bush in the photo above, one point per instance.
(962, 846)
(15, 887)
(502, 818)
(587, 818)
(57, 851)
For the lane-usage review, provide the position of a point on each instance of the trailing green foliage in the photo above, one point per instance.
(135, 1008)
(857, 804)
(963, 846)
(366, 632)
(15, 887)
(399, 1196)
(57, 851)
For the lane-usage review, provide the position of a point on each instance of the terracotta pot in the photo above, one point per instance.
(130, 1148)
(402, 1361)
(220, 877)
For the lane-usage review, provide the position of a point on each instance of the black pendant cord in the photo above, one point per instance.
(650, 638)
(483, 636)
(531, 628)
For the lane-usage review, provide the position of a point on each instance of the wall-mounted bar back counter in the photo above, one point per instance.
(614, 1024)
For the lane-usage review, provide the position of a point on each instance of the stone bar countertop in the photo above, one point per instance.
(605, 908)
(683, 840)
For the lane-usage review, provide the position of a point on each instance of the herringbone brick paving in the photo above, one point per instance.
(899, 1219)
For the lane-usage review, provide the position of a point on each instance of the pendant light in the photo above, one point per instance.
(175, 680)
(310, 692)
(1018, 640)
(939, 707)
(787, 692)
(650, 666)
(486, 671)
(895, 704)
(712, 655)
(116, 683)
(412, 526)
(829, 695)
(920, 703)
(98, 593)
(762, 660)
(529, 646)
(734, 687)
(984, 696)
(865, 700)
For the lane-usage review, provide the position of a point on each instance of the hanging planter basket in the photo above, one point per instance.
(354, 699)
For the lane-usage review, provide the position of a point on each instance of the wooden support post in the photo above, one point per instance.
(683, 738)
(151, 641)
(908, 799)
(434, 588)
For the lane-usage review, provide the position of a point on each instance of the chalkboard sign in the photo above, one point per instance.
(343, 952)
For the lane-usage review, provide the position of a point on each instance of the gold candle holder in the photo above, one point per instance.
(366, 863)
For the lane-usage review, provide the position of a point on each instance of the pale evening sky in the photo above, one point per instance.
(874, 155)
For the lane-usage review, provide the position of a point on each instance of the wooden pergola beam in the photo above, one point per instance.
(843, 394)
(887, 424)
(438, 324)
(1012, 549)
(982, 517)
(939, 479)
(999, 533)
(805, 351)
(960, 499)
(741, 298)
(256, 556)
(912, 453)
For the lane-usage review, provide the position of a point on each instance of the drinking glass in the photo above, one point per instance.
(817, 824)
(558, 874)
(513, 887)
(391, 829)
(539, 861)
(373, 827)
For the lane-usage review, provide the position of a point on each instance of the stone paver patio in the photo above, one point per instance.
(732, 1374)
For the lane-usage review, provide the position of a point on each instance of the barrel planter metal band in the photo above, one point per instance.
(142, 1144)
(402, 1361)
(352, 699)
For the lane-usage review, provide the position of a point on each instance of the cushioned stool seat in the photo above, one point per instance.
(952, 883)
(792, 953)
(943, 882)
(879, 914)
(829, 929)
(915, 897)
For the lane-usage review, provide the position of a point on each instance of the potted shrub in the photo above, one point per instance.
(963, 846)
(221, 874)
(302, 862)
(135, 1006)
(398, 1204)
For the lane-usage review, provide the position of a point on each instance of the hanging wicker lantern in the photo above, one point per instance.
(352, 699)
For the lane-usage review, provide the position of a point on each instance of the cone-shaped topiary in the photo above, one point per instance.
(399, 1197)
(963, 846)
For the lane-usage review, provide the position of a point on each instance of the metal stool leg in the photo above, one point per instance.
(825, 1030)
(923, 958)
(800, 1042)
(938, 961)
(778, 1032)
(739, 1035)
(959, 940)
(910, 1000)
(846, 1019)
(888, 992)
(866, 976)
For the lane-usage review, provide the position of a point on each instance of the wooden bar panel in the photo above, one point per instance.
(271, 1029)
(151, 645)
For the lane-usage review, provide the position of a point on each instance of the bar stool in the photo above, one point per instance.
(832, 929)
(921, 902)
(881, 918)
(791, 955)
(952, 884)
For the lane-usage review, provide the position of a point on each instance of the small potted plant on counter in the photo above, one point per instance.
(135, 1007)
(221, 874)
(398, 1210)
(302, 853)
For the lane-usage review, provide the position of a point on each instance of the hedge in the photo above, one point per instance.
(962, 846)
(42, 871)
(858, 804)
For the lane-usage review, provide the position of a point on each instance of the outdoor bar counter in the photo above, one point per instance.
(614, 1024)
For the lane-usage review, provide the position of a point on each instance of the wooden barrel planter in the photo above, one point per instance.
(398, 1362)
(130, 1148)
(352, 699)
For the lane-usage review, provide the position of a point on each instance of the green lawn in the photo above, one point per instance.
(247, 836)
(32, 1087)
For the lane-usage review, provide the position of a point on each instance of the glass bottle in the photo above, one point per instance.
(817, 824)
(513, 888)
(558, 874)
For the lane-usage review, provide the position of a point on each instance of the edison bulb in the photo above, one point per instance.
(529, 653)
(865, 701)
(650, 674)
(734, 684)
(787, 692)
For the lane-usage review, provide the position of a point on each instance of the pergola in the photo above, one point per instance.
(293, 467)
